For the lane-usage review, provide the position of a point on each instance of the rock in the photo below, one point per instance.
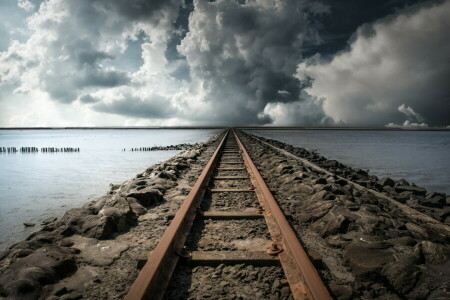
(402, 197)
(48, 220)
(336, 241)
(366, 258)
(284, 169)
(23, 253)
(402, 274)
(98, 227)
(402, 182)
(98, 253)
(315, 211)
(66, 243)
(28, 224)
(147, 196)
(95, 226)
(341, 182)
(302, 189)
(386, 181)
(136, 207)
(434, 203)
(417, 231)
(300, 176)
(337, 220)
(441, 196)
(402, 241)
(361, 172)
(432, 252)
(141, 182)
(341, 292)
(436, 200)
(98, 204)
(335, 189)
(26, 276)
(321, 195)
(321, 180)
(411, 189)
(114, 187)
(167, 175)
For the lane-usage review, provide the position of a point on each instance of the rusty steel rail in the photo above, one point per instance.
(154, 277)
(303, 278)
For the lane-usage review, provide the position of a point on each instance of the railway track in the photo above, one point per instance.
(228, 225)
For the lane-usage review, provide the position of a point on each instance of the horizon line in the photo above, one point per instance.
(224, 126)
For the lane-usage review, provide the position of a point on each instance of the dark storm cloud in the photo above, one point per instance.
(245, 55)
(95, 77)
(87, 99)
(65, 89)
(344, 17)
(138, 9)
(155, 107)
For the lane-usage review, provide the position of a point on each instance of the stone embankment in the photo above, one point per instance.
(363, 245)
(433, 204)
(92, 252)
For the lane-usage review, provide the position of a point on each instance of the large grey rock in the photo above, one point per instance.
(95, 226)
(435, 200)
(402, 274)
(26, 276)
(315, 211)
(411, 189)
(337, 220)
(367, 258)
(386, 181)
(136, 207)
(433, 253)
(147, 196)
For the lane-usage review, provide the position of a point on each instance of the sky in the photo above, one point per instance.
(224, 63)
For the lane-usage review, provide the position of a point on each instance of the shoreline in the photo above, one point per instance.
(127, 222)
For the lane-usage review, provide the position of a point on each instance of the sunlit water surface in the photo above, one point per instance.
(422, 157)
(36, 186)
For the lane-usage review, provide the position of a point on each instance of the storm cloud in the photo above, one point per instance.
(255, 62)
(403, 59)
(155, 107)
(244, 55)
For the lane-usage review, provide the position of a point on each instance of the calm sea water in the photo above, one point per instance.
(41, 185)
(421, 157)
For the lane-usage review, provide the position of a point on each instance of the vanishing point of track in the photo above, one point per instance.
(154, 277)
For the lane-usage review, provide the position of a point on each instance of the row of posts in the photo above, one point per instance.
(35, 149)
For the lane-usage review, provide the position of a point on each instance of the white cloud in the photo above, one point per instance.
(401, 59)
(407, 124)
(410, 113)
(307, 112)
(27, 5)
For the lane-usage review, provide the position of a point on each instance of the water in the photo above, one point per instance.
(421, 157)
(36, 186)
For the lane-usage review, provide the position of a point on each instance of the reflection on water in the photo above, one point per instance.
(34, 186)
(422, 157)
